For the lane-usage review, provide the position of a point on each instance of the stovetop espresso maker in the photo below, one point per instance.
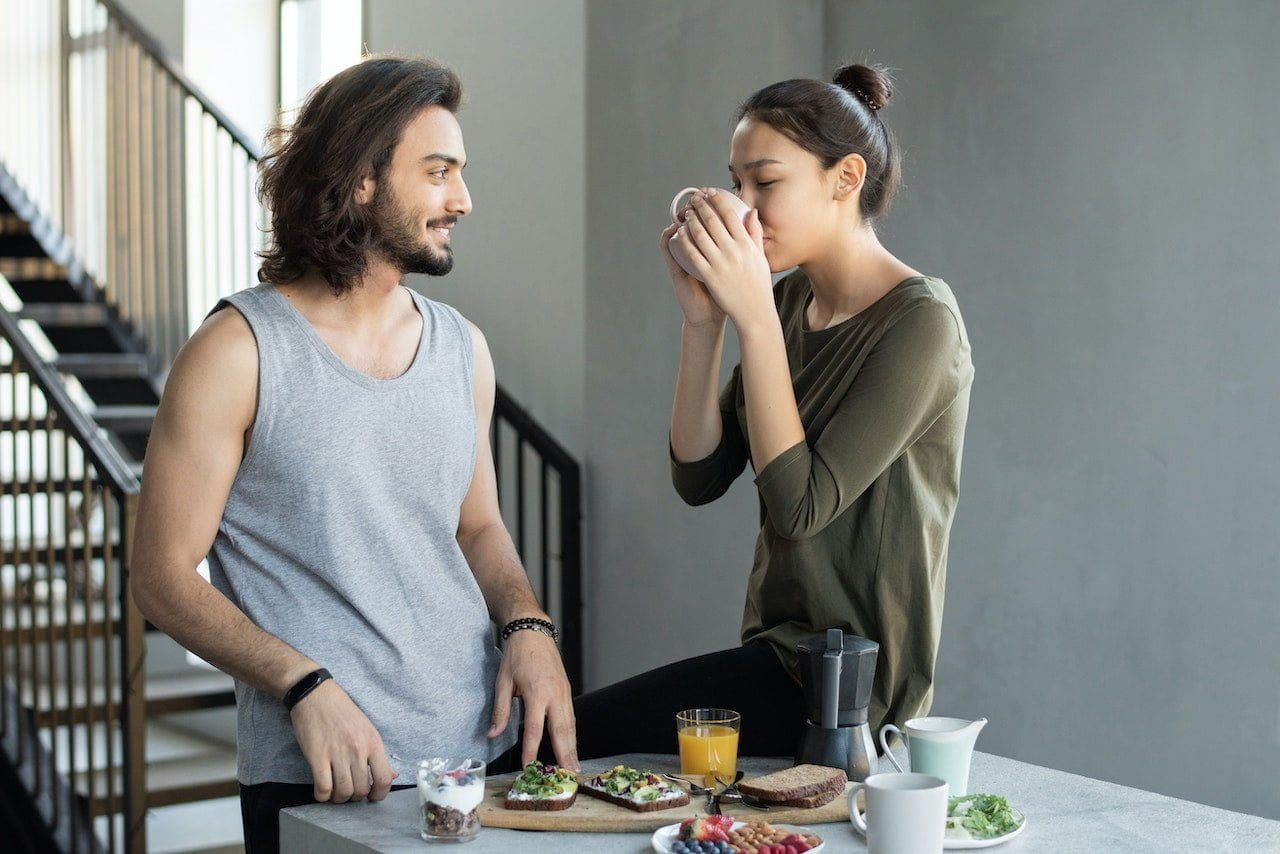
(836, 674)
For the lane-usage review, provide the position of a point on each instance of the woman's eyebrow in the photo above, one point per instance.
(763, 161)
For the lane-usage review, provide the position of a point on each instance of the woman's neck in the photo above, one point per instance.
(853, 273)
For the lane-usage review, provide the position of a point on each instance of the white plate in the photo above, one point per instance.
(664, 836)
(957, 844)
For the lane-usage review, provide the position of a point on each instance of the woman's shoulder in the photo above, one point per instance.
(924, 297)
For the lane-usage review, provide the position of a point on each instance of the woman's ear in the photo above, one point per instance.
(850, 173)
(365, 189)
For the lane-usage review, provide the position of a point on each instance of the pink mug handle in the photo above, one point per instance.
(675, 203)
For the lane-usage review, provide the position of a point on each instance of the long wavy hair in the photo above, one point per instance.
(347, 129)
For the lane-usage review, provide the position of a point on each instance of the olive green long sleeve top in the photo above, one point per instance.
(854, 520)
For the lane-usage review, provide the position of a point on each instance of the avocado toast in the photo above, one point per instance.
(542, 787)
(642, 791)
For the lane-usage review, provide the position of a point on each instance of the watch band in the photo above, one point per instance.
(532, 623)
(305, 686)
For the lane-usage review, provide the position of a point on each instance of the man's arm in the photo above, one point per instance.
(531, 665)
(193, 455)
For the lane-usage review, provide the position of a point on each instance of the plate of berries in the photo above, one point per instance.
(722, 834)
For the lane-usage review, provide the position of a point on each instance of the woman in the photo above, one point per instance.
(849, 402)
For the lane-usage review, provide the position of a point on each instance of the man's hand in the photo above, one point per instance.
(532, 670)
(342, 747)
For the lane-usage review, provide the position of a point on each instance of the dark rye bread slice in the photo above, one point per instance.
(813, 801)
(540, 804)
(801, 783)
(631, 803)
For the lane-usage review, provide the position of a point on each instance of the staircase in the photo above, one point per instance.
(56, 640)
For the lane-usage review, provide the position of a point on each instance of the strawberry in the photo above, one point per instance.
(717, 828)
(688, 829)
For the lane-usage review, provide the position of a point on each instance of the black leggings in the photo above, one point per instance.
(638, 715)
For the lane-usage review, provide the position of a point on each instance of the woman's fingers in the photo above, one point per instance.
(709, 216)
(696, 232)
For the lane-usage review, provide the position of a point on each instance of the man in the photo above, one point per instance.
(323, 438)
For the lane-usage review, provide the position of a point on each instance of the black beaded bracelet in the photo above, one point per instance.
(305, 686)
(545, 626)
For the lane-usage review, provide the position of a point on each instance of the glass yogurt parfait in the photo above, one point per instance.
(449, 793)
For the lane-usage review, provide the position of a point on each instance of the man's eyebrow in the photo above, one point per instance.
(763, 161)
(447, 158)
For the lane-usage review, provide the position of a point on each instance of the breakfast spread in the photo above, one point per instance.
(720, 834)
(542, 787)
(450, 804)
(804, 786)
(642, 791)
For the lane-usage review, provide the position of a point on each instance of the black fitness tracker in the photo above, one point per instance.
(304, 686)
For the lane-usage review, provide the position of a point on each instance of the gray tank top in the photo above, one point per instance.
(339, 538)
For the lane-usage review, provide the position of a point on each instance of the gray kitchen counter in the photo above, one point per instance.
(1065, 813)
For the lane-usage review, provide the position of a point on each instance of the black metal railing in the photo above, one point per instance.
(541, 501)
(71, 640)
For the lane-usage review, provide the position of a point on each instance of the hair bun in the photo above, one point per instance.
(871, 86)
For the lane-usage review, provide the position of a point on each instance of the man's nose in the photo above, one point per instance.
(460, 201)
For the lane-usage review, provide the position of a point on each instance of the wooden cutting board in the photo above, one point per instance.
(592, 815)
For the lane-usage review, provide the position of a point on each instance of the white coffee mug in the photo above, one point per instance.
(906, 813)
(738, 205)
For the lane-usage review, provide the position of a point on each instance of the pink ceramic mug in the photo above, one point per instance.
(674, 245)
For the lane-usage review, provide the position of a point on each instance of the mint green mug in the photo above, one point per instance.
(941, 747)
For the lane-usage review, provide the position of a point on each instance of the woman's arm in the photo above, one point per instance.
(695, 412)
(707, 451)
(729, 257)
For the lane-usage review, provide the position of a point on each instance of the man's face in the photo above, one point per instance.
(421, 195)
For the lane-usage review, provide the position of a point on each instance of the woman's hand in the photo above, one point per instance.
(699, 309)
(728, 257)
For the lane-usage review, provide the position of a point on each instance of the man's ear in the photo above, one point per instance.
(366, 188)
(850, 173)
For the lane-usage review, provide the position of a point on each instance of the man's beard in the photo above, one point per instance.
(400, 239)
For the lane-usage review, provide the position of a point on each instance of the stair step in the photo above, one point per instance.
(166, 694)
(29, 269)
(20, 246)
(46, 291)
(104, 365)
(73, 314)
(125, 418)
(174, 781)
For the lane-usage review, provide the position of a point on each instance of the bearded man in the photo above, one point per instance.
(323, 440)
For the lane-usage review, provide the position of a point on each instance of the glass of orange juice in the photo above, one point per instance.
(708, 743)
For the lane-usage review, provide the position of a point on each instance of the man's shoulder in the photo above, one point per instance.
(223, 346)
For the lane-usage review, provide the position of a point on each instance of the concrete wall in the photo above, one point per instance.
(1099, 184)
(161, 18)
(661, 92)
(519, 256)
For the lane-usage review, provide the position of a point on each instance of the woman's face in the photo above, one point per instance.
(790, 189)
